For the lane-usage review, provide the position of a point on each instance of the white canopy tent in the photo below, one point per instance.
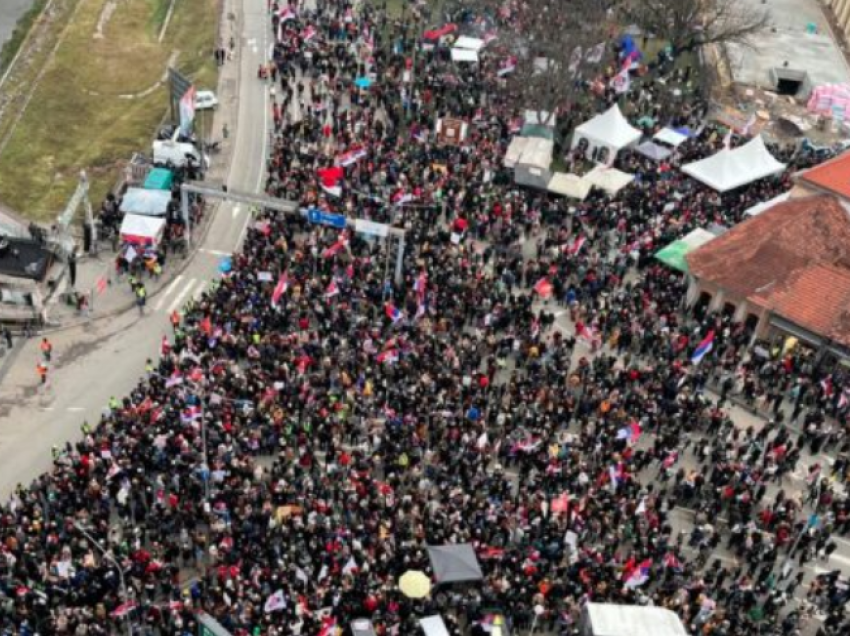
(468, 43)
(142, 230)
(610, 180)
(670, 137)
(514, 151)
(608, 130)
(569, 185)
(730, 169)
(464, 55)
(758, 208)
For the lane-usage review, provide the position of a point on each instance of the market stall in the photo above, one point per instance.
(146, 231)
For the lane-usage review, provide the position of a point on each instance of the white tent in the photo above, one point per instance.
(730, 169)
(464, 55)
(537, 153)
(142, 230)
(609, 179)
(608, 130)
(670, 137)
(468, 43)
(569, 185)
(758, 208)
(515, 150)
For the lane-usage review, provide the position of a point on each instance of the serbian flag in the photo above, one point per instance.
(622, 81)
(175, 380)
(390, 356)
(507, 67)
(187, 110)
(280, 289)
(276, 601)
(543, 287)
(340, 244)
(124, 609)
(191, 414)
(631, 433)
(670, 561)
(331, 179)
(703, 348)
(575, 247)
(616, 475)
(393, 312)
(332, 290)
(287, 13)
(420, 285)
(436, 34)
(328, 627)
(639, 575)
(309, 33)
(351, 156)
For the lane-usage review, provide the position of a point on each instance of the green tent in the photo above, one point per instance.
(159, 179)
(538, 130)
(674, 254)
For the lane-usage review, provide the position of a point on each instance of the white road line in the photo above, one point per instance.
(202, 285)
(76, 409)
(265, 123)
(47, 408)
(178, 302)
(840, 540)
(839, 558)
(169, 289)
(236, 210)
(215, 252)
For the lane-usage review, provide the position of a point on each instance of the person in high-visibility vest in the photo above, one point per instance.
(41, 369)
(46, 349)
(175, 320)
(141, 297)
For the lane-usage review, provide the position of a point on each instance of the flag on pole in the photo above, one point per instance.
(280, 289)
(190, 414)
(639, 575)
(621, 82)
(340, 244)
(332, 290)
(286, 13)
(350, 567)
(393, 312)
(703, 348)
(575, 246)
(187, 110)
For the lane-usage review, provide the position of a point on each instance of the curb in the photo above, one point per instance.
(227, 162)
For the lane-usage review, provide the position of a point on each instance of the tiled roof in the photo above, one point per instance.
(793, 259)
(815, 298)
(832, 176)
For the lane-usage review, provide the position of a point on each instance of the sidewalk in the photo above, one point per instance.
(114, 297)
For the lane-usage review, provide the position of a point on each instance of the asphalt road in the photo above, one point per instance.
(107, 358)
(10, 12)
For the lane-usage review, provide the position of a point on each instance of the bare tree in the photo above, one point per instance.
(550, 45)
(691, 24)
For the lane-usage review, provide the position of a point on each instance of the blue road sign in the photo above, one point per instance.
(318, 217)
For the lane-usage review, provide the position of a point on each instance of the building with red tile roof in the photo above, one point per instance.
(831, 177)
(785, 271)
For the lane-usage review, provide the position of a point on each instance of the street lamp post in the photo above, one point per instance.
(111, 559)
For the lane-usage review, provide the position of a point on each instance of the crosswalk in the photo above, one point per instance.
(180, 291)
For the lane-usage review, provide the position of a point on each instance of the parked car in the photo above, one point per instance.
(205, 100)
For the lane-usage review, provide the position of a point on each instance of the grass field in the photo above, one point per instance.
(80, 115)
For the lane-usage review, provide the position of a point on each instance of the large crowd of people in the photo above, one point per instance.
(313, 424)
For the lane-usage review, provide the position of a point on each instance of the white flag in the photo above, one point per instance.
(350, 567)
(323, 573)
(301, 575)
(275, 602)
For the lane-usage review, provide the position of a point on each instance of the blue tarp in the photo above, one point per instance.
(159, 179)
(146, 202)
(630, 48)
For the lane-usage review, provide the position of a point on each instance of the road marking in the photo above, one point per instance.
(178, 302)
(76, 409)
(168, 291)
(46, 408)
(837, 557)
(215, 252)
(840, 540)
(236, 210)
(201, 287)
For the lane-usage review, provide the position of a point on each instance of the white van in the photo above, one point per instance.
(175, 152)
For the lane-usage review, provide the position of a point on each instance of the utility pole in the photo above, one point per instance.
(111, 559)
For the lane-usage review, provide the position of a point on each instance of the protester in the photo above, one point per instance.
(530, 387)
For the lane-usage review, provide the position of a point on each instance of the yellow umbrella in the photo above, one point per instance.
(414, 584)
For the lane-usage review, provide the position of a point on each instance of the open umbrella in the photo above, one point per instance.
(414, 584)
(363, 82)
